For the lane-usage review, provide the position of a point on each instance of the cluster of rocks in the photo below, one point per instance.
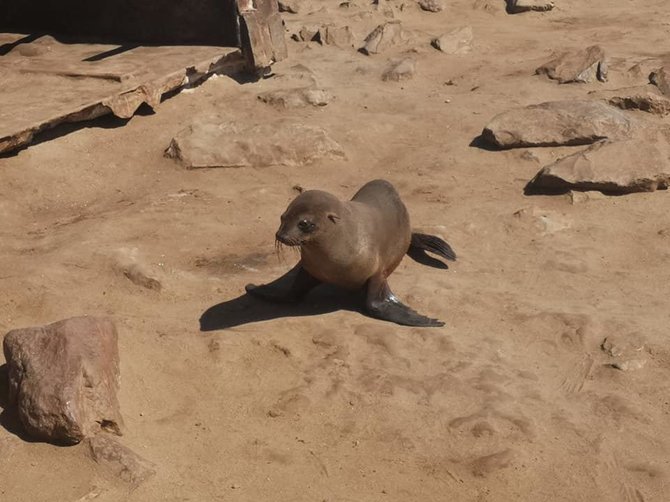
(63, 382)
(624, 156)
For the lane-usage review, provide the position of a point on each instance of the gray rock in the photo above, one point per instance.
(661, 79)
(557, 123)
(587, 65)
(383, 37)
(431, 5)
(63, 378)
(296, 98)
(458, 41)
(608, 166)
(399, 70)
(518, 6)
(122, 462)
(645, 98)
(216, 143)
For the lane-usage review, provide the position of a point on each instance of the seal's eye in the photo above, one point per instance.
(306, 226)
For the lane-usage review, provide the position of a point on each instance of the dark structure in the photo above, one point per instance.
(252, 25)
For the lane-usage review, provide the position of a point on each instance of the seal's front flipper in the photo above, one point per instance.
(382, 304)
(289, 288)
(433, 244)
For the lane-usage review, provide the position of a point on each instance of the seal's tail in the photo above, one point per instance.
(433, 244)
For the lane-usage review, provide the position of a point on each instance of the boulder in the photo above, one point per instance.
(557, 123)
(458, 41)
(399, 70)
(383, 37)
(63, 379)
(634, 165)
(645, 98)
(296, 98)
(518, 6)
(583, 66)
(215, 143)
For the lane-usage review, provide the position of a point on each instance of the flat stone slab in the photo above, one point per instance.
(617, 167)
(46, 83)
(215, 143)
(557, 123)
(582, 66)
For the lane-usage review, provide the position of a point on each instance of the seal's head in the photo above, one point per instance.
(310, 215)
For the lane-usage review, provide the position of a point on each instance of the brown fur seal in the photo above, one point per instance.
(354, 245)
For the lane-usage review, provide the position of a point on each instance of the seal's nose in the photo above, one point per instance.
(281, 237)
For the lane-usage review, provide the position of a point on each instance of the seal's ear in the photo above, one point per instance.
(333, 217)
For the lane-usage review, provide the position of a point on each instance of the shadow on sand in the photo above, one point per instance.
(246, 309)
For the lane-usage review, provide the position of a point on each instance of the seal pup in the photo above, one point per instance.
(354, 245)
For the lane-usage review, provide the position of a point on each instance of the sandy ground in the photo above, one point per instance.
(513, 399)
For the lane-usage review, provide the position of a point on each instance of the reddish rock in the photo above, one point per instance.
(63, 378)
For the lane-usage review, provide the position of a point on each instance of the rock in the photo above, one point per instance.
(517, 6)
(296, 98)
(557, 123)
(119, 460)
(399, 70)
(339, 36)
(661, 79)
(308, 33)
(458, 41)
(582, 66)
(63, 378)
(627, 353)
(290, 6)
(644, 98)
(431, 5)
(135, 270)
(215, 143)
(383, 37)
(608, 166)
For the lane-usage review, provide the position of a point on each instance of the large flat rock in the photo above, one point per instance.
(211, 143)
(636, 165)
(557, 123)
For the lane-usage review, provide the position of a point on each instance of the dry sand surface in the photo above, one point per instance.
(514, 399)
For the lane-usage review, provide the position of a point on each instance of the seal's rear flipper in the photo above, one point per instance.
(382, 304)
(424, 242)
(289, 288)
